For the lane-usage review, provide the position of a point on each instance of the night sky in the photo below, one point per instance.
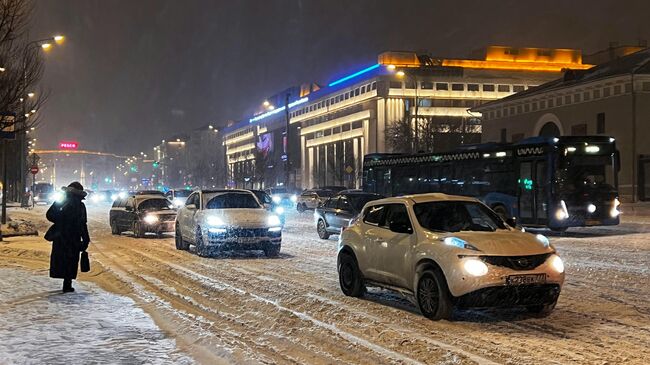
(133, 72)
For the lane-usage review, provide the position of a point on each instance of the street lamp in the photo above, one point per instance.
(402, 74)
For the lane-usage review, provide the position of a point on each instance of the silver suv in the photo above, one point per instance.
(445, 251)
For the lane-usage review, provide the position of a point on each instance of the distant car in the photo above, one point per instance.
(311, 199)
(448, 251)
(149, 192)
(226, 220)
(178, 196)
(142, 214)
(44, 193)
(281, 196)
(270, 205)
(338, 210)
(102, 196)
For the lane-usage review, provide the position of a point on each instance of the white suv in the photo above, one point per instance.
(224, 220)
(445, 251)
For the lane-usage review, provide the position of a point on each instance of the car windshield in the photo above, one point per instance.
(232, 201)
(358, 201)
(455, 216)
(155, 204)
(182, 193)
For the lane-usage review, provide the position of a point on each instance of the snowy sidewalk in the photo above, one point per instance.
(40, 325)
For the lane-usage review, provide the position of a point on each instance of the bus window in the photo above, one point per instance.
(525, 190)
(541, 190)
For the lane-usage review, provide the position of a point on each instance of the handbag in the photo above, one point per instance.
(53, 233)
(84, 262)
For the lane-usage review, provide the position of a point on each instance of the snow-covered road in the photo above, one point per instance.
(250, 309)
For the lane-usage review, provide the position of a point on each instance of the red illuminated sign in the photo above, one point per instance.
(68, 145)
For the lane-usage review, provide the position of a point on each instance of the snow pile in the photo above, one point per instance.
(19, 227)
(40, 325)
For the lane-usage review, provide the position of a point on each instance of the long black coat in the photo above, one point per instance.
(70, 219)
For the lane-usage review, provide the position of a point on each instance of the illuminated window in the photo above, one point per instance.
(488, 87)
(442, 86)
(472, 87)
(504, 88)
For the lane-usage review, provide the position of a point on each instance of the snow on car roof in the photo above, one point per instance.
(423, 198)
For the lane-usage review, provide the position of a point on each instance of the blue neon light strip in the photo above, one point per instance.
(346, 78)
(275, 111)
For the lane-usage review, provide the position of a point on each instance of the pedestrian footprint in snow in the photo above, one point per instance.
(69, 234)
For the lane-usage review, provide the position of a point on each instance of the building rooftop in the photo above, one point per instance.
(635, 63)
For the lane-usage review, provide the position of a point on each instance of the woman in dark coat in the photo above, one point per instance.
(71, 234)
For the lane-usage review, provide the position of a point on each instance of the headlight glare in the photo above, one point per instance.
(475, 267)
(275, 229)
(150, 219)
(279, 210)
(276, 199)
(214, 221)
(294, 198)
(274, 221)
(557, 264)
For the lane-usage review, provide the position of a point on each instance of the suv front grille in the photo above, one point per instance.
(517, 262)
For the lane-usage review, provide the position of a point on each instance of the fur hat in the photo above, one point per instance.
(75, 188)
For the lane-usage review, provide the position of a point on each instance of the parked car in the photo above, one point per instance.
(225, 220)
(178, 196)
(338, 210)
(311, 199)
(334, 188)
(142, 214)
(448, 251)
(281, 196)
(268, 203)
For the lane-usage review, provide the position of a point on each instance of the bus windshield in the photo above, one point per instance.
(582, 174)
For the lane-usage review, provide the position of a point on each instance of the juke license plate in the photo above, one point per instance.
(246, 239)
(527, 279)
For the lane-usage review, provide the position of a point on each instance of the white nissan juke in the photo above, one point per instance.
(447, 251)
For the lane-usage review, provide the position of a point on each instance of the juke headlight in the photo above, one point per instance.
(150, 219)
(556, 263)
(214, 221)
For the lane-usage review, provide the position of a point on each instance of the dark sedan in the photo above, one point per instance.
(338, 210)
(141, 214)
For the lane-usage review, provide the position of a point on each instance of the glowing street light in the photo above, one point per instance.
(390, 67)
(400, 73)
(31, 95)
(46, 46)
(266, 103)
(58, 38)
(2, 69)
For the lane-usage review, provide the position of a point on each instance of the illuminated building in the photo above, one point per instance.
(333, 127)
(610, 99)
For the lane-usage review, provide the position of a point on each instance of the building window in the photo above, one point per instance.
(345, 127)
(488, 87)
(511, 51)
(356, 92)
(579, 130)
(567, 99)
(526, 107)
(586, 96)
(600, 123)
(373, 86)
(534, 106)
(558, 101)
(363, 89)
(518, 88)
(517, 137)
(409, 84)
(645, 86)
(512, 110)
(520, 109)
(606, 91)
(550, 103)
(544, 52)
(504, 88)
(442, 86)
(498, 113)
(472, 87)
(395, 85)
(357, 124)
(628, 87)
(458, 87)
(596, 93)
(504, 135)
(576, 98)
(428, 85)
(617, 89)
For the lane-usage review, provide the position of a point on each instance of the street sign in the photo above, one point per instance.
(33, 170)
(7, 126)
(349, 169)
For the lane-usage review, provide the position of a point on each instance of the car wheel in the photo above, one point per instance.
(432, 296)
(201, 249)
(350, 278)
(180, 242)
(272, 250)
(322, 230)
(541, 310)
(300, 208)
(114, 229)
(138, 230)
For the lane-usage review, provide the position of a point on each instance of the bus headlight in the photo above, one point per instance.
(562, 212)
(591, 208)
(614, 212)
(279, 210)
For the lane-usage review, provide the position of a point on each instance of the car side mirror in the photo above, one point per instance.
(191, 206)
(400, 227)
(512, 222)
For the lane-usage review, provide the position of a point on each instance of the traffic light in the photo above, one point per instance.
(155, 164)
